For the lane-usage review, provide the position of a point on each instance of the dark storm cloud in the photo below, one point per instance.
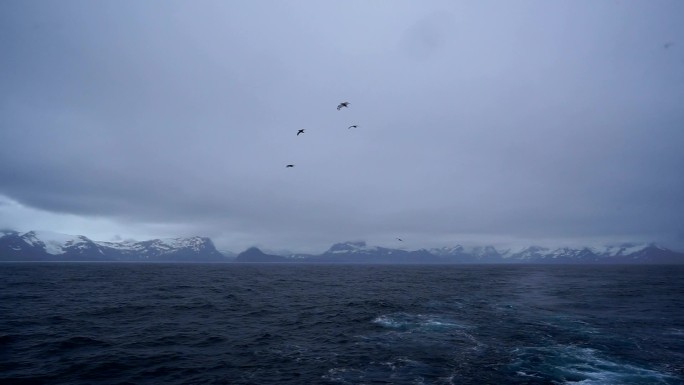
(490, 120)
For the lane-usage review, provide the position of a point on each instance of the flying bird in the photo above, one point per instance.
(354, 126)
(343, 104)
(400, 240)
(300, 132)
(289, 165)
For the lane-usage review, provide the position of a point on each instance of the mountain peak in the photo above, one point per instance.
(349, 247)
(53, 243)
(253, 251)
(447, 251)
(254, 254)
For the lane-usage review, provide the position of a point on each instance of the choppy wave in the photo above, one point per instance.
(405, 321)
(581, 365)
(265, 324)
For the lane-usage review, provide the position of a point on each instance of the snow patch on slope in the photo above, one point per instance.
(619, 250)
(53, 243)
(166, 244)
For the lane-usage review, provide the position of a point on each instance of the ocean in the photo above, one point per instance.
(109, 323)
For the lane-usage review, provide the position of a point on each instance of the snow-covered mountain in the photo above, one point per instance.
(622, 253)
(360, 252)
(49, 246)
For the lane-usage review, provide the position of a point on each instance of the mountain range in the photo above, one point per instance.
(48, 246)
(628, 253)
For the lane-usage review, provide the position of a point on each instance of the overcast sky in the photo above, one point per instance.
(479, 122)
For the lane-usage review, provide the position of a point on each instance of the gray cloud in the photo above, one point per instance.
(535, 121)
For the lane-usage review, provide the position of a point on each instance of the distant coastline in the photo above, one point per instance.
(35, 246)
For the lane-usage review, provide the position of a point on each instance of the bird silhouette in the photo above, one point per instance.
(300, 132)
(343, 104)
(400, 240)
(354, 126)
(289, 165)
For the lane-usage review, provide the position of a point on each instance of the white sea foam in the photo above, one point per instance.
(414, 321)
(569, 364)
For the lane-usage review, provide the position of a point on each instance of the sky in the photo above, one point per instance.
(479, 122)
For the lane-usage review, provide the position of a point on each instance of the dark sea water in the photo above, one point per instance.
(69, 323)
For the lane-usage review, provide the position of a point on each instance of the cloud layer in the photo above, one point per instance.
(534, 121)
